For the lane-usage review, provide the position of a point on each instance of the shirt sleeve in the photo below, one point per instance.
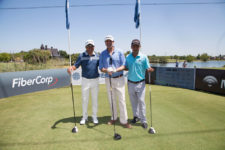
(147, 64)
(126, 62)
(122, 58)
(101, 61)
(78, 62)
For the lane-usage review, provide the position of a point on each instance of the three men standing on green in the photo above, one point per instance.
(112, 62)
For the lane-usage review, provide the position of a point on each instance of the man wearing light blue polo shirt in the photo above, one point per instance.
(137, 64)
(109, 60)
(89, 62)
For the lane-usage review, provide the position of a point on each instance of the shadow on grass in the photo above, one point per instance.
(136, 124)
(89, 124)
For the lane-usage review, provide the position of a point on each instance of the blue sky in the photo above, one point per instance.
(166, 30)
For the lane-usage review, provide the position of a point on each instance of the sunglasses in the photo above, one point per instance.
(110, 60)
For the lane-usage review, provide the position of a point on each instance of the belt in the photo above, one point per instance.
(118, 76)
(136, 82)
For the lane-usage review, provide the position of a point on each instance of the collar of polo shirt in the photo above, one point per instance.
(115, 50)
(139, 54)
(92, 54)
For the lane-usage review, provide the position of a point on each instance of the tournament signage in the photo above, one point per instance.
(77, 77)
(210, 80)
(177, 77)
(151, 76)
(16, 83)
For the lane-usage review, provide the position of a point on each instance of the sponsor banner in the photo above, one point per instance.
(210, 80)
(16, 83)
(177, 77)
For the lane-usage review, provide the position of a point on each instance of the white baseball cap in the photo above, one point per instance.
(109, 37)
(89, 42)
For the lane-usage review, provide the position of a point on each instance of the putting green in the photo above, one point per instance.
(183, 119)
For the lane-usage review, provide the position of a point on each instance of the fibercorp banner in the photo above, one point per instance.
(16, 83)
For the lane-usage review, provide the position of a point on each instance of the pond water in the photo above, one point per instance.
(198, 64)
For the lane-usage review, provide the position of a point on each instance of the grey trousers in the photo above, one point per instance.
(137, 99)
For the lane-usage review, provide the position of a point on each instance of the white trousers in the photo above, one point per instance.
(118, 92)
(87, 86)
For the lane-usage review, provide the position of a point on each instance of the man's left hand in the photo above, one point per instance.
(150, 69)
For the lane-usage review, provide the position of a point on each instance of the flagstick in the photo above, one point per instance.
(69, 45)
(71, 85)
(140, 22)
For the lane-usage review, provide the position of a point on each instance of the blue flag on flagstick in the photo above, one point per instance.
(67, 16)
(137, 13)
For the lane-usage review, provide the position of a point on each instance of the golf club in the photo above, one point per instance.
(116, 135)
(151, 130)
(75, 129)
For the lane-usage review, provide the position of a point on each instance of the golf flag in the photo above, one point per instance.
(137, 13)
(67, 16)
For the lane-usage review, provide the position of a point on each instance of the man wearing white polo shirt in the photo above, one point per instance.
(89, 62)
(109, 59)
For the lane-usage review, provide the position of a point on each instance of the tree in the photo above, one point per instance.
(220, 57)
(198, 57)
(190, 58)
(37, 56)
(5, 57)
(163, 59)
(74, 57)
(46, 47)
(127, 52)
(204, 57)
(183, 57)
(153, 59)
(63, 54)
(176, 57)
(42, 46)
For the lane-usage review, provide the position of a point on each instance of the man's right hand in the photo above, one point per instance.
(111, 70)
(70, 69)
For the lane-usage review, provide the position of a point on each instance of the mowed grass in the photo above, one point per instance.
(184, 120)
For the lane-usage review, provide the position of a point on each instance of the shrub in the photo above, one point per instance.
(37, 56)
(5, 57)
(204, 57)
(190, 58)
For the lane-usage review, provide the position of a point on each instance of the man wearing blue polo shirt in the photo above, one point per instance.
(89, 62)
(137, 64)
(110, 59)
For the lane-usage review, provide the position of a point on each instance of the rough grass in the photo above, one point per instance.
(22, 66)
(184, 120)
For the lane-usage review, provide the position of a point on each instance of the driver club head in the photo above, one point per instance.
(151, 130)
(117, 136)
(75, 129)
